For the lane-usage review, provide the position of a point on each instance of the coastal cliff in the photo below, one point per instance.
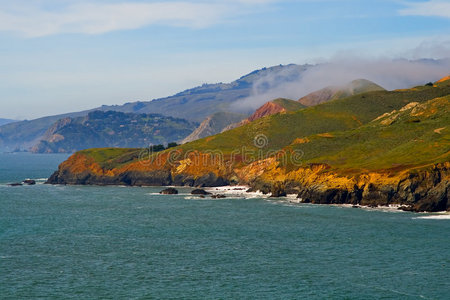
(418, 189)
(377, 148)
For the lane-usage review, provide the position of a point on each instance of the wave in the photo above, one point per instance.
(442, 216)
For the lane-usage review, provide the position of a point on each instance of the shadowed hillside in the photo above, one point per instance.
(112, 129)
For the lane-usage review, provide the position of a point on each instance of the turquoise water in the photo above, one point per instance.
(128, 243)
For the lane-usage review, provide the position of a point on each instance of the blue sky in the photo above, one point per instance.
(63, 55)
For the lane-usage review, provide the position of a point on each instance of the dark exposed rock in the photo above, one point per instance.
(406, 208)
(29, 182)
(421, 191)
(200, 192)
(210, 180)
(207, 180)
(218, 196)
(15, 184)
(169, 191)
(131, 178)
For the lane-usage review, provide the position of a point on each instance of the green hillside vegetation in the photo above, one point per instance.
(417, 135)
(349, 133)
(337, 115)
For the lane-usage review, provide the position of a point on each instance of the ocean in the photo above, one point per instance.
(88, 242)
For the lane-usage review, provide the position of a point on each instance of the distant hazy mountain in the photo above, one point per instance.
(194, 105)
(6, 121)
(112, 129)
(329, 93)
(214, 124)
(198, 103)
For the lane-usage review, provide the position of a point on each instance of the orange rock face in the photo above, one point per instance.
(267, 109)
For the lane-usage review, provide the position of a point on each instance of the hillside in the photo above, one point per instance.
(112, 129)
(375, 148)
(214, 124)
(280, 105)
(24, 134)
(194, 105)
(329, 93)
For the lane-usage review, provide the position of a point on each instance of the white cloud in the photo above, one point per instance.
(96, 18)
(432, 8)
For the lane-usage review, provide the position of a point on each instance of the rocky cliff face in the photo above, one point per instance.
(417, 189)
(423, 189)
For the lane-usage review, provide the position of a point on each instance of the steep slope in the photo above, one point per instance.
(371, 149)
(194, 104)
(276, 106)
(214, 124)
(355, 87)
(112, 129)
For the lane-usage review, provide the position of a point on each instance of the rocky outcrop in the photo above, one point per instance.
(276, 106)
(420, 190)
(80, 169)
(169, 191)
(200, 192)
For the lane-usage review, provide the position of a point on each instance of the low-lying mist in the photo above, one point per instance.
(388, 73)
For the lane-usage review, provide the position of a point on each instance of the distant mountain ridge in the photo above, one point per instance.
(194, 105)
(6, 121)
(200, 102)
(112, 129)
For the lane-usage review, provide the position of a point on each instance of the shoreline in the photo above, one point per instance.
(241, 191)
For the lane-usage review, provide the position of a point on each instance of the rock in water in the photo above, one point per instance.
(169, 191)
(200, 192)
(29, 182)
(15, 184)
(218, 196)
